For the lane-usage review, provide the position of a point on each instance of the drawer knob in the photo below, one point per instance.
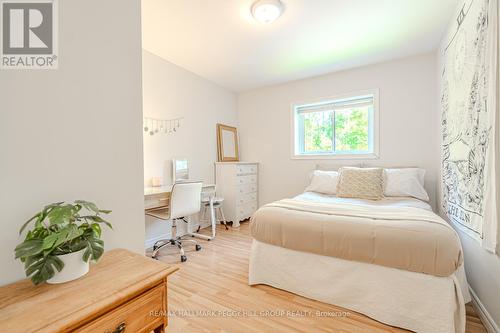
(120, 328)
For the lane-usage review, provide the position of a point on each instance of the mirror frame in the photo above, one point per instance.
(220, 144)
(174, 170)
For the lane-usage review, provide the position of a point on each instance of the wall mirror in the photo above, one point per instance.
(227, 143)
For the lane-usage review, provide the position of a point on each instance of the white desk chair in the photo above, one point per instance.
(184, 201)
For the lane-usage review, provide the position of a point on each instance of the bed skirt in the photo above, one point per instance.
(414, 301)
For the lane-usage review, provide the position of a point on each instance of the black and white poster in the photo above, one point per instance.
(468, 104)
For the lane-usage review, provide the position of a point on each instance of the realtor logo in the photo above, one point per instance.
(29, 34)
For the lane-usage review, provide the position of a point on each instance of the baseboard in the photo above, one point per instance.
(148, 243)
(485, 316)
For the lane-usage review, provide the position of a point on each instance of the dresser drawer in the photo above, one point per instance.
(156, 200)
(250, 179)
(246, 188)
(136, 316)
(246, 169)
(246, 210)
(246, 198)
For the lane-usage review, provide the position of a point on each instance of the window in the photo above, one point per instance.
(342, 127)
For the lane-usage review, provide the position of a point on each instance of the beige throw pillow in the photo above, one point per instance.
(362, 183)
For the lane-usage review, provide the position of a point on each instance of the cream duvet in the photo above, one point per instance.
(402, 237)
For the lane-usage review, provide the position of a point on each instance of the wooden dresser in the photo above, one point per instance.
(123, 292)
(238, 184)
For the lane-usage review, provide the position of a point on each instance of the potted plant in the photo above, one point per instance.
(64, 238)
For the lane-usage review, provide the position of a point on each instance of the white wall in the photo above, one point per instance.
(171, 92)
(75, 132)
(408, 122)
(482, 267)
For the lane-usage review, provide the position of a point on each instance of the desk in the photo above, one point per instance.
(156, 198)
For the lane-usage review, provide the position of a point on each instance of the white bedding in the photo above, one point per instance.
(415, 301)
(388, 201)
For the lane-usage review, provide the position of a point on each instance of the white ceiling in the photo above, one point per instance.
(220, 41)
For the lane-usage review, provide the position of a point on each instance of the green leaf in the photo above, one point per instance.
(97, 229)
(38, 233)
(94, 218)
(88, 205)
(74, 232)
(30, 260)
(67, 234)
(84, 226)
(52, 205)
(32, 264)
(77, 245)
(105, 211)
(43, 268)
(47, 209)
(61, 214)
(94, 250)
(29, 248)
(97, 219)
(50, 240)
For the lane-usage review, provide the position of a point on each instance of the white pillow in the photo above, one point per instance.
(323, 182)
(405, 182)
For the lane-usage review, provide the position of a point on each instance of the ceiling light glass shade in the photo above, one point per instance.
(267, 11)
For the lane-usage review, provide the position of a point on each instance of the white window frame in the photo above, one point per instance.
(295, 154)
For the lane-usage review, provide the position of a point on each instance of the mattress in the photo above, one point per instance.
(399, 233)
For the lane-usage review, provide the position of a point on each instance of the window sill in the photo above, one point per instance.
(370, 156)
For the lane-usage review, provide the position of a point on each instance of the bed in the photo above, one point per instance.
(393, 260)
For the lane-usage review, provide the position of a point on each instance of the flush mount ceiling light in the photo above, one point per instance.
(267, 11)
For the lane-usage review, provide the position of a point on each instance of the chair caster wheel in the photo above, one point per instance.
(183, 258)
(198, 247)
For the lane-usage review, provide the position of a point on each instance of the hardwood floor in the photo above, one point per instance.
(210, 294)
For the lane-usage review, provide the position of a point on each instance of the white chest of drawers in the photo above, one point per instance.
(238, 184)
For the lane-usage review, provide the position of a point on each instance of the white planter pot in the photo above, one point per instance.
(74, 267)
